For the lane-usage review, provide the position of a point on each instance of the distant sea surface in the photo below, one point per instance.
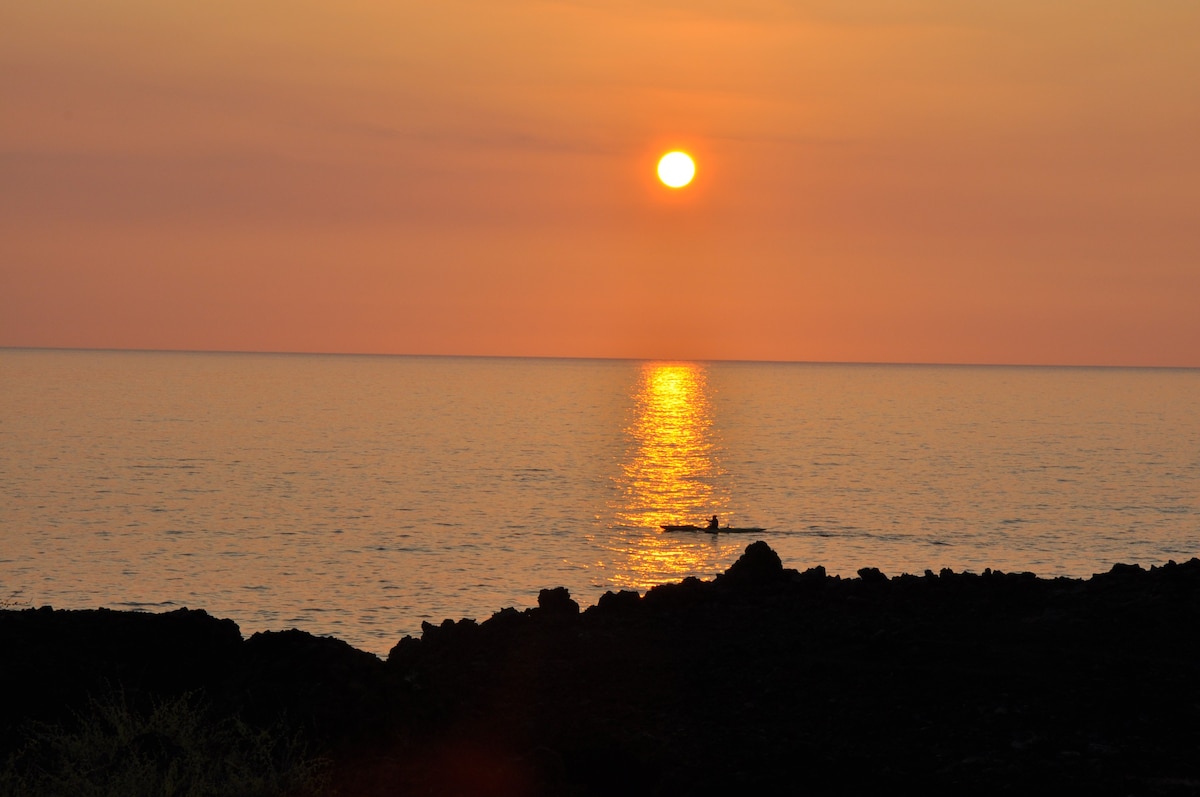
(359, 496)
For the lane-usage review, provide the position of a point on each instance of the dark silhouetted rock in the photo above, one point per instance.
(813, 575)
(334, 690)
(758, 566)
(763, 681)
(557, 602)
(872, 575)
(618, 603)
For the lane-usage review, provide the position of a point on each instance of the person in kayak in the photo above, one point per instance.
(714, 524)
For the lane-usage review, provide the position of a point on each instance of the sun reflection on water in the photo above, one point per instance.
(671, 474)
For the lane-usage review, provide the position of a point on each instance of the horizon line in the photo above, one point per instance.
(747, 361)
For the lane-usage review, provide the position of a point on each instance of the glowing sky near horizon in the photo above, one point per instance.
(922, 180)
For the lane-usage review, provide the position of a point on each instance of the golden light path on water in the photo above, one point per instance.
(671, 474)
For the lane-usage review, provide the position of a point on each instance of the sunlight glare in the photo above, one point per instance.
(676, 169)
(671, 476)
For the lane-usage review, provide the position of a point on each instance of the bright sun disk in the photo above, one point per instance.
(676, 169)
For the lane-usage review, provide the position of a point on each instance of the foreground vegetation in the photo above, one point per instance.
(175, 748)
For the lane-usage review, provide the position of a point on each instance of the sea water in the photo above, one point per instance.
(358, 496)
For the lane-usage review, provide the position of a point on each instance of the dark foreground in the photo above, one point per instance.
(764, 681)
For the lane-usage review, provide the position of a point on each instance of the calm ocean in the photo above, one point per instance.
(358, 496)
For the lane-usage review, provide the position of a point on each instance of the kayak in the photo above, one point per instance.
(711, 530)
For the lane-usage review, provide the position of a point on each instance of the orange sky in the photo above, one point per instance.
(903, 180)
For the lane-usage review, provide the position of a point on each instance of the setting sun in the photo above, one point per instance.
(676, 169)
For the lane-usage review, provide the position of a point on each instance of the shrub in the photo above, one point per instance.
(174, 749)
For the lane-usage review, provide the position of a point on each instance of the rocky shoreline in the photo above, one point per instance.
(765, 680)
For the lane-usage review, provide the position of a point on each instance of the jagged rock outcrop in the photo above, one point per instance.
(764, 680)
